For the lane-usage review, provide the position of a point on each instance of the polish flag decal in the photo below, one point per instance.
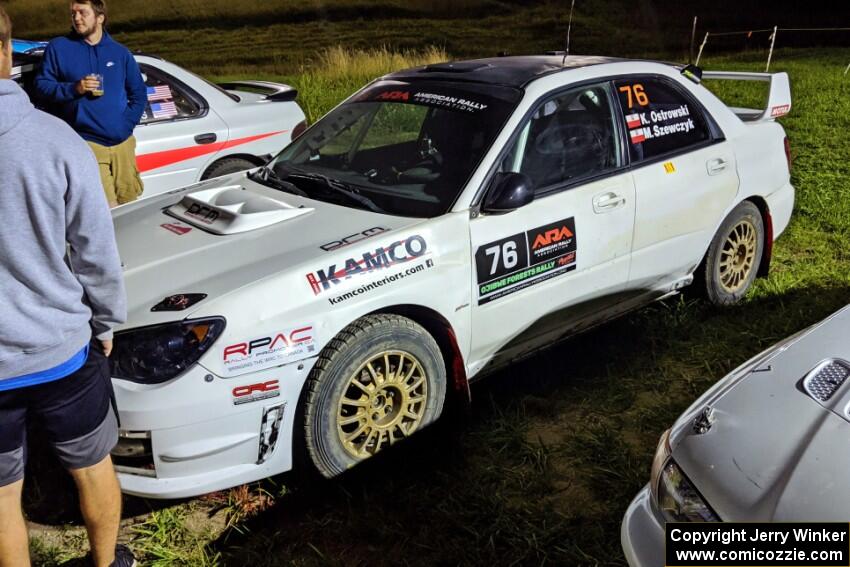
(638, 135)
(633, 120)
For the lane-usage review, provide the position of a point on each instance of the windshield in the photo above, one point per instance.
(405, 148)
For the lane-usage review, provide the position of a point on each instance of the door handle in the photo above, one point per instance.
(607, 201)
(206, 138)
(715, 166)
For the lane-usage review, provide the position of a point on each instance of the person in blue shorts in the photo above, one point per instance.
(62, 292)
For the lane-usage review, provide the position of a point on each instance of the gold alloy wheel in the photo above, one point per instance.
(738, 256)
(383, 402)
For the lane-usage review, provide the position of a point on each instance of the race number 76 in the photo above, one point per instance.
(508, 254)
(635, 93)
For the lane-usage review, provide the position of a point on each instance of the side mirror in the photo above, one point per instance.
(508, 192)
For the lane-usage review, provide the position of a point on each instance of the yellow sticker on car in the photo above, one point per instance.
(669, 167)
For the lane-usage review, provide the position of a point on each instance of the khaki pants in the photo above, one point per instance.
(118, 171)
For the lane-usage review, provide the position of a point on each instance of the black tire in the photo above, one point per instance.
(337, 382)
(734, 256)
(227, 166)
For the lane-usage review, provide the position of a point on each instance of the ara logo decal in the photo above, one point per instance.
(279, 348)
(256, 392)
(393, 95)
(552, 241)
(398, 252)
(550, 236)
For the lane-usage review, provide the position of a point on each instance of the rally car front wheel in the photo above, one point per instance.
(381, 379)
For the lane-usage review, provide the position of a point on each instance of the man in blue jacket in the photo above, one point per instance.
(95, 85)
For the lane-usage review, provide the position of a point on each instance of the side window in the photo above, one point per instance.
(166, 100)
(568, 137)
(658, 118)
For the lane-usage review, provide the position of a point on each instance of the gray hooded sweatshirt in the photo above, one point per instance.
(51, 201)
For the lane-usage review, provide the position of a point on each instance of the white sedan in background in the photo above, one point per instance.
(192, 129)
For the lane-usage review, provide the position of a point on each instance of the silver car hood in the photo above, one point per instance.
(774, 452)
(163, 254)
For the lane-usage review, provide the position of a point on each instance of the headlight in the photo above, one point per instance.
(676, 497)
(151, 355)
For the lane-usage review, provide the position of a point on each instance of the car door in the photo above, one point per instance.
(685, 177)
(540, 267)
(178, 133)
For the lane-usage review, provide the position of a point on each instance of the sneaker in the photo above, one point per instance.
(124, 557)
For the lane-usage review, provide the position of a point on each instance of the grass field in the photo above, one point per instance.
(552, 450)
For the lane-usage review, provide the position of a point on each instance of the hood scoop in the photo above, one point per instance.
(232, 210)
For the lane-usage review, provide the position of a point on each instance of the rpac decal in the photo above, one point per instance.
(275, 349)
(176, 228)
(255, 392)
(398, 252)
(527, 258)
(352, 238)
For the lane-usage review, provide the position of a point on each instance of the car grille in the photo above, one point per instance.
(824, 381)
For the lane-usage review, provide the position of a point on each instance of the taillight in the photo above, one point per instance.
(301, 126)
(788, 153)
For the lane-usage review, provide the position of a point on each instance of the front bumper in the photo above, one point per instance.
(642, 534)
(205, 433)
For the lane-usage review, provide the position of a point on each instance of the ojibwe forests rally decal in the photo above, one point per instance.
(645, 124)
(525, 259)
(270, 350)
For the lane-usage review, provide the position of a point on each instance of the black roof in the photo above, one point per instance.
(516, 71)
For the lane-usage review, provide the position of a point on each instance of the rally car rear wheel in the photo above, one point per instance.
(376, 383)
(734, 255)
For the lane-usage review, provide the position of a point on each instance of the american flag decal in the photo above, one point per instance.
(633, 120)
(161, 92)
(163, 110)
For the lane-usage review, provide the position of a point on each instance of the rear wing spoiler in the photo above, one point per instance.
(778, 98)
(275, 92)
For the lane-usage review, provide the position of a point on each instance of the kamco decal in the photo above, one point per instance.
(352, 238)
(525, 259)
(279, 348)
(255, 392)
(398, 252)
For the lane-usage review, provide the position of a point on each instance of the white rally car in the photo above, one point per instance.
(440, 223)
(193, 129)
